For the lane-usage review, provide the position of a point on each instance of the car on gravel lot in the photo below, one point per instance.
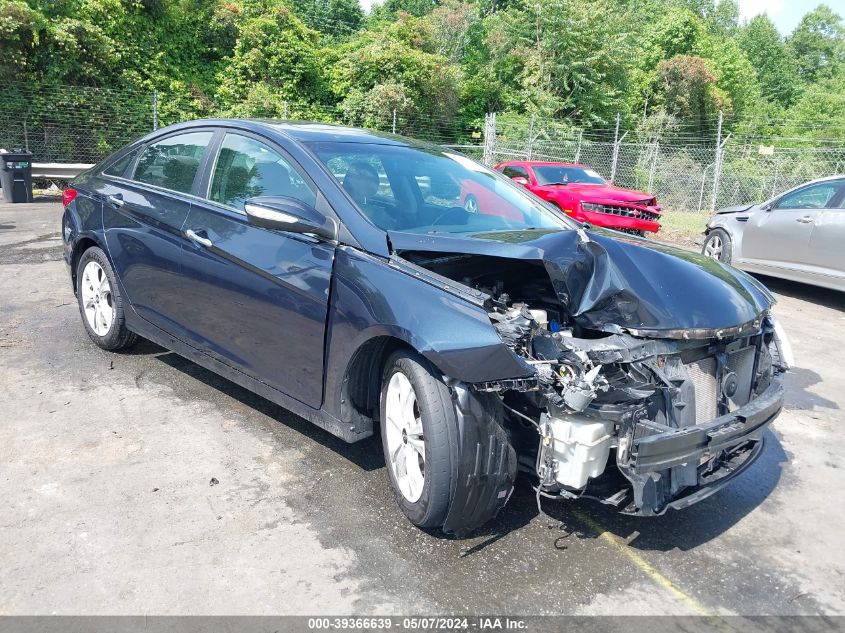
(798, 235)
(335, 272)
(584, 195)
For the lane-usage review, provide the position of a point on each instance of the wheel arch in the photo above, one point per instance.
(82, 244)
(480, 487)
(361, 385)
(733, 236)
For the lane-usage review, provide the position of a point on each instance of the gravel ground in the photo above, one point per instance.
(109, 462)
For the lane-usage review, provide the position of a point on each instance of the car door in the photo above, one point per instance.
(144, 208)
(258, 299)
(779, 237)
(827, 242)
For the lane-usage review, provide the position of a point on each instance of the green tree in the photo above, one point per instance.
(736, 81)
(276, 58)
(723, 19)
(336, 18)
(561, 58)
(776, 69)
(54, 44)
(819, 113)
(686, 90)
(21, 31)
(453, 23)
(676, 31)
(663, 34)
(818, 44)
(396, 66)
(391, 8)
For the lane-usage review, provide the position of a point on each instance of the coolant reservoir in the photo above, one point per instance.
(580, 448)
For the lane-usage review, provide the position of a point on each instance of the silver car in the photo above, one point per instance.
(798, 235)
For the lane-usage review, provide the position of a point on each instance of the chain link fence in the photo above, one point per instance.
(66, 124)
(684, 177)
(72, 124)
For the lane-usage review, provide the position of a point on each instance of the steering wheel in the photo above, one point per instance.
(450, 211)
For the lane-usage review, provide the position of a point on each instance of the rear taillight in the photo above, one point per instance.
(68, 195)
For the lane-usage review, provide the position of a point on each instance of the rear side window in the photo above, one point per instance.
(173, 163)
(247, 168)
(118, 167)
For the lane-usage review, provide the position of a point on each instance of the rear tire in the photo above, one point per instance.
(718, 245)
(417, 430)
(100, 302)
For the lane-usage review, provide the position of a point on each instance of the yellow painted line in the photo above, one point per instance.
(645, 566)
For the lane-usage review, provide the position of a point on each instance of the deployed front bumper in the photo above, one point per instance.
(678, 467)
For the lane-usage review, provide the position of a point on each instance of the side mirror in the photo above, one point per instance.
(282, 213)
(522, 181)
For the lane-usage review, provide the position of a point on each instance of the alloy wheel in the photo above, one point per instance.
(404, 434)
(714, 247)
(97, 298)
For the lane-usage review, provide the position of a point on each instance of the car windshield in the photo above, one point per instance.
(421, 190)
(552, 174)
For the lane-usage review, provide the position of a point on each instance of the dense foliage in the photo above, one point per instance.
(673, 64)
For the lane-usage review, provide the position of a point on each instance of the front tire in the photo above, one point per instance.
(718, 245)
(100, 302)
(417, 430)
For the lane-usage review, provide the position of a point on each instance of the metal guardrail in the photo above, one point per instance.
(59, 171)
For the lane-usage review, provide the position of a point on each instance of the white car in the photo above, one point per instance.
(798, 235)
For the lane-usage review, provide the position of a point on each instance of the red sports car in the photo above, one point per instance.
(584, 195)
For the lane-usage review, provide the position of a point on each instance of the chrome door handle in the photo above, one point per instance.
(204, 241)
(116, 200)
(805, 220)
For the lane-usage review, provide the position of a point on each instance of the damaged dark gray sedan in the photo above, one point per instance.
(338, 273)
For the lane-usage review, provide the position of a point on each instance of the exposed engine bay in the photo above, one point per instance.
(638, 421)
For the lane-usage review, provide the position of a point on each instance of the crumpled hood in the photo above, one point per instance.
(603, 193)
(616, 284)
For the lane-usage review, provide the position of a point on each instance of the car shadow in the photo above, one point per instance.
(798, 395)
(581, 519)
(833, 299)
(366, 454)
(677, 529)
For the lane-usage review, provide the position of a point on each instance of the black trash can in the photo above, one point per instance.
(16, 176)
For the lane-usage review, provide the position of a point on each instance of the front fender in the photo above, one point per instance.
(370, 298)
(734, 226)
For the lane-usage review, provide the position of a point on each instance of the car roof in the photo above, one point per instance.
(326, 132)
(541, 163)
(305, 131)
(823, 179)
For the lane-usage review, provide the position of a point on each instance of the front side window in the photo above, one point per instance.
(512, 171)
(172, 163)
(247, 168)
(363, 174)
(426, 190)
(562, 175)
(816, 196)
